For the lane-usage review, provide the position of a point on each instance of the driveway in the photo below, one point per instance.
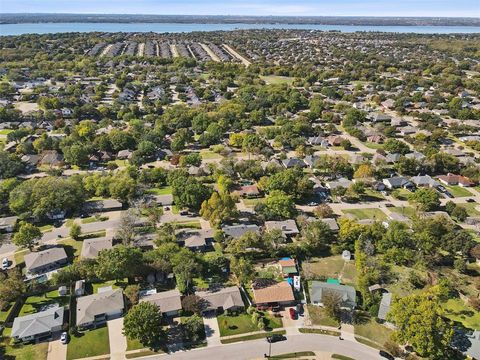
(56, 350)
(291, 325)
(118, 341)
(212, 330)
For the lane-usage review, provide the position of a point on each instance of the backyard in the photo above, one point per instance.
(331, 267)
(458, 311)
(34, 304)
(240, 324)
(89, 343)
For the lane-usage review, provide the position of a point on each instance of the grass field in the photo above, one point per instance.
(319, 317)
(5, 131)
(167, 190)
(457, 310)
(34, 304)
(20, 255)
(27, 352)
(134, 344)
(407, 211)
(4, 313)
(331, 267)
(46, 228)
(374, 331)
(113, 283)
(362, 214)
(252, 202)
(240, 324)
(276, 79)
(90, 343)
(319, 331)
(187, 224)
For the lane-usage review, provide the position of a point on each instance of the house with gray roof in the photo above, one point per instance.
(39, 326)
(287, 227)
(44, 261)
(96, 309)
(7, 224)
(396, 182)
(222, 299)
(196, 240)
(424, 181)
(346, 294)
(384, 307)
(92, 247)
(293, 162)
(169, 302)
(236, 231)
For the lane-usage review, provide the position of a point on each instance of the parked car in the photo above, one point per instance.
(470, 200)
(299, 309)
(276, 338)
(64, 338)
(386, 355)
(293, 313)
(5, 263)
(389, 205)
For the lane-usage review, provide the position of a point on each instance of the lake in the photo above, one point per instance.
(46, 28)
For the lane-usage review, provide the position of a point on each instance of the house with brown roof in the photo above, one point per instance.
(169, 302)
(270, 293)
(452, 179)
(248, 191)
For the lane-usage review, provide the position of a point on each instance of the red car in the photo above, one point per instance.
(293, 313)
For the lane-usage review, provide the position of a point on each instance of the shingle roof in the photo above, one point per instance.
(384, 306)
(166, 300)
(38, 323)
(347, 293)
(225, 298)
(235, 231)
(97, 304)
(42, 258)
(280, 292)
(91, 247)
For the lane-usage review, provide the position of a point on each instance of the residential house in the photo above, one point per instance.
(379, 117)
(319, 141)
(289, 266)
(96, 309)
(346, 293)
(169, 302)
(39, 326)
(44, 261)
(248, 191)
(287, 227)
(270, 293)
(222, 299)
(7, 224)
(103, 205)
(236, 231)
(163, 200)
(452, 179)
(332, 223)
(334, 140)
(311, 160)
(197, 240)
(124, 154)
(396, 182)
(293, 162)
(92, 247)
(342, 182)
(424, 181)
(51, 158)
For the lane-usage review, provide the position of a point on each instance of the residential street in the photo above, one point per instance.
(294, 343)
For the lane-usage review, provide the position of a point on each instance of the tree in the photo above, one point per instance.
(242, 268)
(396, 146)
(188, 192)
(316, 235)
(193, 329)
(184, 272)
(420, 323)
(143, 323)
(10, 165)
(219, 208)
(12, 287)
(123, 187)
(75, 231)
(118, 263)
(154, 214)
(364, 171)
(425, 199)
(27, 236)
(277, 205)
(331, 303)
(193, 304)
(132, 293)
(126, 228)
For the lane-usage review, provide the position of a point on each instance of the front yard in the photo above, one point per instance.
(241, 324)
(374, 332)
(27, 352)
(89, 343)
(458, 191)
(363, 214)
(318, 316)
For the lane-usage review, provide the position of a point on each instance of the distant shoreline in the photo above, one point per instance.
(10, 18)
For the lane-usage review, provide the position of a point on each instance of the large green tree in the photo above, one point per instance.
(144, 323)
(27, 236)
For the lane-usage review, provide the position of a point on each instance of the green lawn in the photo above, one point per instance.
(457, 310)
(276, 79)
(294, 355)
(401, 194)
(407, 211)
(253, 337)
(252, 202)
(113, 283)
(27, 352)
(319, 317)
(240, 324)
(362, 214)
(470, 207)
(73, 247)
(167, 190)
(46, 228)
(5, 131)
(20, 255)
(34, 304)
(341, 357)
(458, 191)
(319, 331)
(187, 224)
(134, 344)
(208, 154)
(4, 313)
(374, 332)
(93, 219)
(90, 343)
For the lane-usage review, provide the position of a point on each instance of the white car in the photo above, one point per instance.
(5, 263)
(64, 338)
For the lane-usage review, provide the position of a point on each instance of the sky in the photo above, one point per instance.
(440, 8)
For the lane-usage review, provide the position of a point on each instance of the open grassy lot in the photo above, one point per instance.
(401, 194)
(457, 310)
(167, 190)
(402, 286)
(34, 304)
(331, 267)
(276, 79)
(319, 317)
(458, 191)
(362, 214)
(373, 331)
(187, 224)
(27, 352)
(46, 228)
(240, 324)
(89, 343)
